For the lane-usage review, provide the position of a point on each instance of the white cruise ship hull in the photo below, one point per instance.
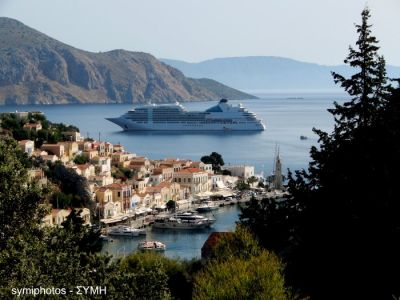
(174, 117)
(128, 125)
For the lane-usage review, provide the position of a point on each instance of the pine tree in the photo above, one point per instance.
(342, 215)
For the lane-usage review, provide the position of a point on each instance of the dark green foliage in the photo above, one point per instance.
(171, 205)
(50, 132)
(71, 184)
(215, 159)
(128, 173)
(342, 216)
(226, 172)
(242, 185)
(171, 277)
(81, 159)
(33, 255)
(86, 238)
(61, 200)
(18, 198)
(239, 269)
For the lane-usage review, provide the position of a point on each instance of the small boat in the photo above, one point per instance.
(303, 137)
(122, 230)
(151, 246)
(207, 206)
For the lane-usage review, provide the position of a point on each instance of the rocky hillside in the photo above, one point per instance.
(36, 69)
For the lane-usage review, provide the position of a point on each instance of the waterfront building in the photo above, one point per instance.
(111, 210)
(216, 181)
(243, 171)
(121, 193)
(27, 146)
(194, 179)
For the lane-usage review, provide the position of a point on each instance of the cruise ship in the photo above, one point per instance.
(174, 117)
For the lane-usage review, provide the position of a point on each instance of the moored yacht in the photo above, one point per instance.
(183, 221)
(207, 206)
(122, 230)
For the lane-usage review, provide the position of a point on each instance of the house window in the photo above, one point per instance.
(119, 194)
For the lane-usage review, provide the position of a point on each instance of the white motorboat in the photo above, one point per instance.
(151, 246)
(123, 230)
(207, 206)
(183, 221)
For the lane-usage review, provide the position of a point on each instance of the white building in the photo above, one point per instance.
(242, 171)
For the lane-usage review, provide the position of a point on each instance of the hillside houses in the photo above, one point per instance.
(121, 183)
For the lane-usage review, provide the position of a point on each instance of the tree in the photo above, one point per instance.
(239, 269)
(171, 205)
(215, 159)
(19, 198)
(341, 217)
(81, 159)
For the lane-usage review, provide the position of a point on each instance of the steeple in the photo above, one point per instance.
(277, 172)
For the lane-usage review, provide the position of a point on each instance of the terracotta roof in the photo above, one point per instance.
(83, 167)
(116, 186)
(190, 171)
(102, 189)
(164, 184)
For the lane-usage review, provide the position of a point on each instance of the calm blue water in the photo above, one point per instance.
(180, 243)
(286, 119)
(287, 116)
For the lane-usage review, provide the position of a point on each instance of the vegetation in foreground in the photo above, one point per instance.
(339, 231)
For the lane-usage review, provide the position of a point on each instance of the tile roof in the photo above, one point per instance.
(190, 171)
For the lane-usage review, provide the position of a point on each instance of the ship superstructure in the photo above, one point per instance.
(175, 117)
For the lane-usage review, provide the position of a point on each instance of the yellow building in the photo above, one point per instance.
(194, 179)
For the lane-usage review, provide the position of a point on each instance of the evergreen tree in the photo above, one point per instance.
(342, 215)
(215, 159)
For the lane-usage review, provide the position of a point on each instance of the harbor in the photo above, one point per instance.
(184, 244)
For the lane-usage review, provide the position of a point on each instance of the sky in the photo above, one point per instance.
(318, 31)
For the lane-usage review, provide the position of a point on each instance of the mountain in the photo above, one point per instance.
(37, 69)
(267, 72)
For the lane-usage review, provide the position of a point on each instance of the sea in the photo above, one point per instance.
(287, 116)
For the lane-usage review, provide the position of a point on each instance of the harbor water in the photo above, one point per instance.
(287, 117)
(184, 244)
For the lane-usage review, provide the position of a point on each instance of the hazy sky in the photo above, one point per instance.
(194, 30)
